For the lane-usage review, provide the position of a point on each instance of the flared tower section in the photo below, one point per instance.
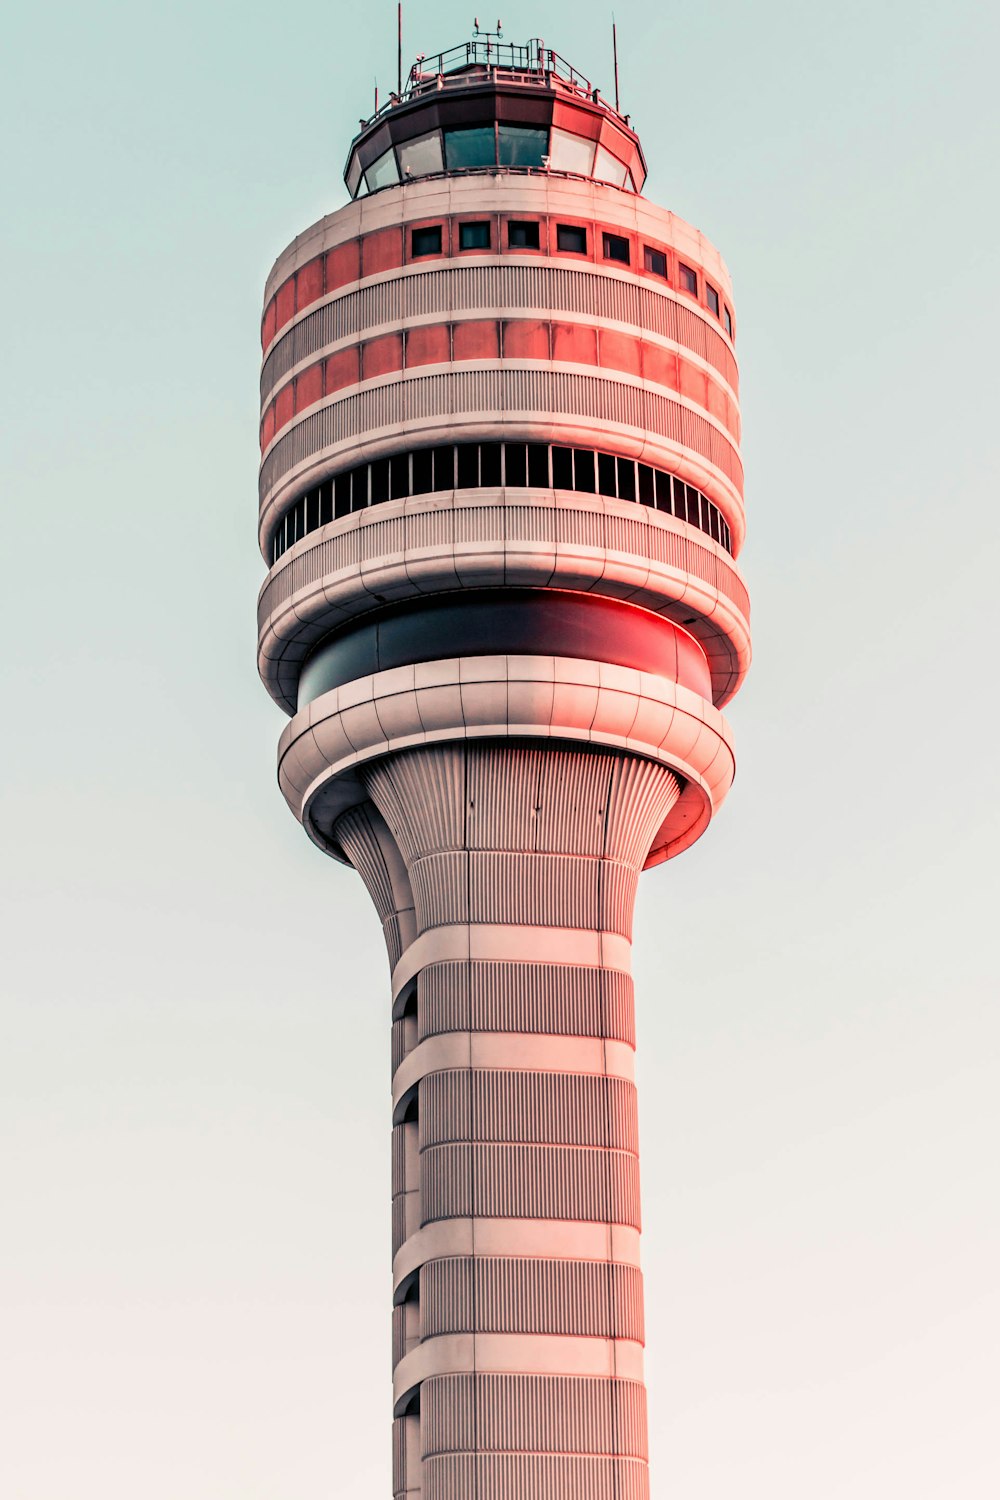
(500, 505)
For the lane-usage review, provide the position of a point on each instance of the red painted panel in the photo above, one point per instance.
(381, 251)
(285, 301)
(716, 400)
(342, 264)
(566, 116)
(381, 356)
(525, 338)
(267, 427)
(284, 406)
(660, 365)
(694, 383)
(428, 345)
(479, 339)
(269, 325)
(309, 387)
(342, 369)
(620, 351)
(575, 343)
(309, 283)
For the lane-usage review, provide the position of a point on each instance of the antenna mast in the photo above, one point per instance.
(614, 45)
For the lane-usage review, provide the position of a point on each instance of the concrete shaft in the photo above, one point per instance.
(505, 876)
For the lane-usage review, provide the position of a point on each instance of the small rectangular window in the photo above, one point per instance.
(572, 237)
(538, 466)
(359, 487)
(626, 479)
(444, 468)
(423, 471)
(522, 234)
(689, 278)
(729, 322)
(712, 297)
(606, 484)
(655, 261)
(489, 464)
(515, 461)
(562, 468)
(326, 503)
(399, 476)
(474, 236)
(342, 495)
(583, 470)
(380, 481)
(426, 241)
(647, 488)
(663, 498)
(468, 466)
(616, 248)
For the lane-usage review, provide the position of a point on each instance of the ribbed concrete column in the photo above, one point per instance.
(518, 1329)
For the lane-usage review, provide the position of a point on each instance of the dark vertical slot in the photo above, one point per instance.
(663, 491)
(583, 470)
(399, 476)
(606, 482)
(342, 495)
(489, 464)
(538, 466)
(423, 471)
(380, 481)
(647, 484)
(468, 466)
(626, 479)
(444, 468)
(562, 468)
(515, 460)
(326, 503)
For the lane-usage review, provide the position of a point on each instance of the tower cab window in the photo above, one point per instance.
(474, 236)
(688, 278)
(426, 241)
(712, 298)
(655, 261)
(616, 248)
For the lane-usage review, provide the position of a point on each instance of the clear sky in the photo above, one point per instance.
(194, 1060)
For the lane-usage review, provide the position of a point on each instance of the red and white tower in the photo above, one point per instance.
(500, 505)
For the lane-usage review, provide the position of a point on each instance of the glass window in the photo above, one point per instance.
(421, 155)
(489, 464)
(353, 175)
(380, 481)
(572, 237)
(689, 278)
(469, 148)
(444, 468)
(606, 484)
(474, 236)
(326, 503)
(655, 261)
(583, 470)
(647, 486)
(562, 468)
(382, 173)
(729, 322)
(515, 463)
(399, 476)
(712, 297)
(423, 471)
(616, 248)
(538, 466)
(570, 153)
(626, 479)
(522, 145)
(663, 499)
(608, 168)
(426, 241)
(468, 466)
(342, 495)
(522, 234)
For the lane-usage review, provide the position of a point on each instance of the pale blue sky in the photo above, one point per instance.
(817, 979)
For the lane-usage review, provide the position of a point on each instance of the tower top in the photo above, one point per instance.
(489, 105)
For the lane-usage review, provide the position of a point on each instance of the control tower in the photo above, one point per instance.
(500, 507)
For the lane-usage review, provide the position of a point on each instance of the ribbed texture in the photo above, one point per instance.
(500, 291)
(498, 1104)
(489, 1476)
(553, 999)
(338, 551)
(529, 1182)
(422, 795)
(496, 391)
(538, 889)
(356, 836)
(500, 1294)
(533, 1414)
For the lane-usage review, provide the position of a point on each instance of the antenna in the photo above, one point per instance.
(399, 49)
(614, 44)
